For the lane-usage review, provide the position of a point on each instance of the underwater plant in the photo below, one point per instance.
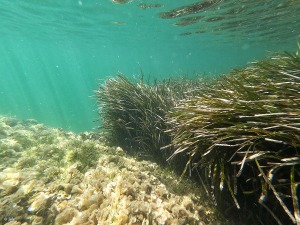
(241, 132)
(133, 113)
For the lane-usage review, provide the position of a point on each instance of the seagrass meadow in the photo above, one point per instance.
(134, 112)
(237, 134)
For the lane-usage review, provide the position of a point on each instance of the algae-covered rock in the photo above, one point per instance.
(72, 179)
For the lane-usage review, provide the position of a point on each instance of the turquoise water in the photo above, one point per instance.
(54, 53)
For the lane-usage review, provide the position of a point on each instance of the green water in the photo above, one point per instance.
(54, 53)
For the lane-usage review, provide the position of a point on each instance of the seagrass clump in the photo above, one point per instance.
(133, 114)
(242, 133)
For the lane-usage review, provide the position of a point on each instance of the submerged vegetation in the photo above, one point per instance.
(239, 133)
(134, 112)
(242, 133)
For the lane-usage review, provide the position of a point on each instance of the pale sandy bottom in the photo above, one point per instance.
(48, 176)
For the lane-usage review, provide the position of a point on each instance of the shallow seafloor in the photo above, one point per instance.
(49, 176)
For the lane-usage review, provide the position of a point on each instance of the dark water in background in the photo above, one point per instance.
(53, 52)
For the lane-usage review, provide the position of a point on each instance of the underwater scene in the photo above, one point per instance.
(150, 112)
